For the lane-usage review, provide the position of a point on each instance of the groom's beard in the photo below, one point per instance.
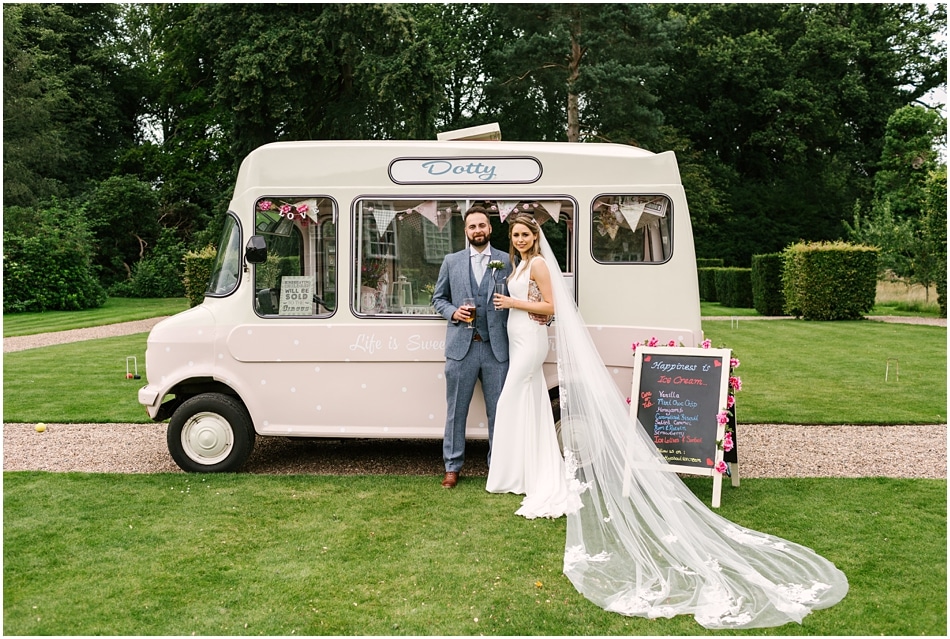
(479, 240)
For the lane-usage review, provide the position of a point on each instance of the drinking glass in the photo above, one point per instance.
(469, 304)
(499, 290)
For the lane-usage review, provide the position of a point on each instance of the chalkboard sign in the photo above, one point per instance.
(677, 394)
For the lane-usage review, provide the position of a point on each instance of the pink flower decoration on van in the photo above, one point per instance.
(265, 205)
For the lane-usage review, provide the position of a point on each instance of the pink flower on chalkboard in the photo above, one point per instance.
(721, 467)
(672, 342)
(653, 341)
(707, 343)
(735, 383)
(727, 443)
(733, 363)
(722, 418)
(730, 401)
(634, 346)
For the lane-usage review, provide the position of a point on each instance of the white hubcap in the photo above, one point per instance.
(207, 438)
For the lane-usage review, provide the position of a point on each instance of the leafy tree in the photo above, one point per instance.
(904, 220)
(160, 273)
(317, 71)
(910, 155)
(123, 216)
(69, 104)
(788, 104)
(577, 72)
(461, 35)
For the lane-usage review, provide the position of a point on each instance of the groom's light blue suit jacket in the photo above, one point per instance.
(455, 284)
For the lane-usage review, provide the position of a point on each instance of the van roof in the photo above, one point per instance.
(323, 164)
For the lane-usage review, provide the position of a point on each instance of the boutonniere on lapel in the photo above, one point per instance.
(495, 266)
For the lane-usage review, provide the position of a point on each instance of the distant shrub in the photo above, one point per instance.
(768, 297)
(47, 260)
(160, 273)
(734, 286)
(829, 280)
(198, 265)
(707, 284)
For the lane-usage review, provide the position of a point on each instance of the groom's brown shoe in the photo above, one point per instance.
(451, 478)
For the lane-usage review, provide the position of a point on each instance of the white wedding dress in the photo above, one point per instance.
(526, 458)
(643, 544)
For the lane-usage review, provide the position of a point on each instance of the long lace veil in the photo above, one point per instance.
(643, 544)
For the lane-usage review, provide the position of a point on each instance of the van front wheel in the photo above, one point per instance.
(210, 433)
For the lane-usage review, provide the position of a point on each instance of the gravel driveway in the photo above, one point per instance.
(765, 450)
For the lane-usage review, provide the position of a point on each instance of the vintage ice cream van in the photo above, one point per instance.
(317, 321)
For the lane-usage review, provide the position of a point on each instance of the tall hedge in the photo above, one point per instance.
(768, 297)
(707, 284)
(829, 280)
(198, 265)
(734, 286)
(708, 262)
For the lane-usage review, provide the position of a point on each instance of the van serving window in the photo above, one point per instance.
(299, 277)
(401, 243)
(631, 228)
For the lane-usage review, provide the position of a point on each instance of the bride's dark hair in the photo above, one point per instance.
(534, 227)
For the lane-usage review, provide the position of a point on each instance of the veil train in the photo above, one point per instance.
(658, 551)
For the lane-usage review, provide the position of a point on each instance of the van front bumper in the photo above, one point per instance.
(149, 397)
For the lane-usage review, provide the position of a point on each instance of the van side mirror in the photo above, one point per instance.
(256, 250)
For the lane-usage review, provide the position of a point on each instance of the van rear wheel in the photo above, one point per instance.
(210, 433)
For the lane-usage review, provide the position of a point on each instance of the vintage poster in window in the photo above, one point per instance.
(296, 295)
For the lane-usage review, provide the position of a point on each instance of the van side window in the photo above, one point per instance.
(631, 228)
(299, 277)
(400, 247)
(401, 244)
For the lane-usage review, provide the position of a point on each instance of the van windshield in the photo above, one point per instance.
(402, 243)
(226, 270)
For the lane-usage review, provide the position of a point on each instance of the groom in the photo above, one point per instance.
(474, 353)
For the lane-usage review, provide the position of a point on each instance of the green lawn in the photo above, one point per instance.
(115, 310)
(176, 554)
(800, 372)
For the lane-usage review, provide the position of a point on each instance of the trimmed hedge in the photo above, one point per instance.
(829, 280)
(708, 262)
(198, 267)
(768, 297)
(734, 286)
(707, 284)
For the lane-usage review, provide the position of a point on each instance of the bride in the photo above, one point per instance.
(526, 459)
(641, 544)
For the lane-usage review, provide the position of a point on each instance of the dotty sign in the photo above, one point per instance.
(676, 396)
